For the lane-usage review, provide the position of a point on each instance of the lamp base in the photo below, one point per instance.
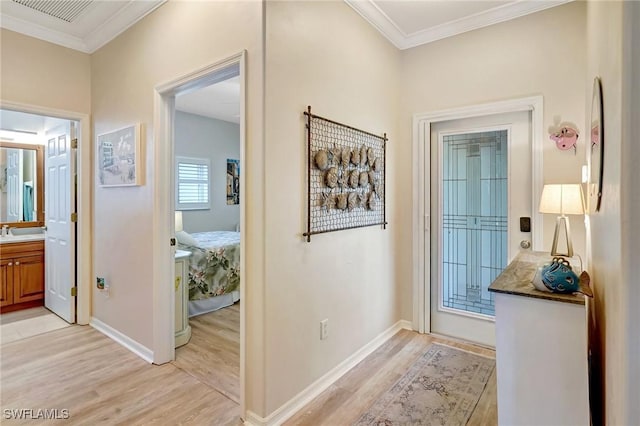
(562, 221)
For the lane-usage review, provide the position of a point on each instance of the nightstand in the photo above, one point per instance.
(182, 327)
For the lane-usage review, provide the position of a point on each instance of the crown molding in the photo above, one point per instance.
(380, 21)
(103, 34)
(37, 31)
(376, 17)
(118, 23)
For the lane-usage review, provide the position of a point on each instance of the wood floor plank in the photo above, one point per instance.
(370, 378)
(486, 412)
(213, 353)
(348, 398)
(100, 382)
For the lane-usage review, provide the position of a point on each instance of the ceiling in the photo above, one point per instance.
(84, 25)
(22, 127)
(412, 23)
(87, 25)
(220, 101)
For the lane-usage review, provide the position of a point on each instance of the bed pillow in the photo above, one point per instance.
(186, 239)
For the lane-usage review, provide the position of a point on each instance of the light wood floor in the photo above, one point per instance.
(346, 400)
(100, 382)
(213, 354)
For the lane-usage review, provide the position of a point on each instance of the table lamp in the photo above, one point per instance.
(179, 221)
(562, 199)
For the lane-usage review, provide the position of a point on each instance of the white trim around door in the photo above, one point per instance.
(421, 182)
(84, 261)
(164, 203)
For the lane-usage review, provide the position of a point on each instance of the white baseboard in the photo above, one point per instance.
(135, 347)
(296, 403)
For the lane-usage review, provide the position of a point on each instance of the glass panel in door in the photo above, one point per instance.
(474, 192)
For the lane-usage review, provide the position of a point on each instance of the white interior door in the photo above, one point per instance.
(60, 235)
(14, 185)
(480, 187)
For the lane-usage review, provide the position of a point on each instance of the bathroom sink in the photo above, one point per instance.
(27, 231)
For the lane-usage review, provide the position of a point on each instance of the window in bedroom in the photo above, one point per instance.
(192, 183)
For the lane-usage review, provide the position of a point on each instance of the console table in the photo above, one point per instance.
(541, 349)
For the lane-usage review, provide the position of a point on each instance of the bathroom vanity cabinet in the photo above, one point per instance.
(21, 275)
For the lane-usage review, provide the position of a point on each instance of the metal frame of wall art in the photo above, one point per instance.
(345, 177)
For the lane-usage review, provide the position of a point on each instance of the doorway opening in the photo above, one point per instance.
(44, 208)
(200, 211)
(478, 170)
(207, 208)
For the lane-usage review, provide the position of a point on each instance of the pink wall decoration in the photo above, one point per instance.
(565, 138)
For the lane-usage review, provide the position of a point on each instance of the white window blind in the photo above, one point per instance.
(192, 183)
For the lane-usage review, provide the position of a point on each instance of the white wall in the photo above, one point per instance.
(175, 39)
(631, 203)
(325, 55)
(613, 231)
(542, 53)
(43, 74)
(204, 137)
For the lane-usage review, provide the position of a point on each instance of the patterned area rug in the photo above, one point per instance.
(442, 387)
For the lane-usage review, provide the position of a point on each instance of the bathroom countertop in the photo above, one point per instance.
(21, 238)
(517, 276)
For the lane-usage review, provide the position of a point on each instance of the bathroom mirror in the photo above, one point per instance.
(21, 184)
(596, 149)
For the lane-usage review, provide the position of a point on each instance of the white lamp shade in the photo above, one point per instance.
(179, 221)
(562, 199)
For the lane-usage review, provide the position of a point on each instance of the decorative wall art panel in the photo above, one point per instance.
(119, 157)
(346, 177)
(233, 181)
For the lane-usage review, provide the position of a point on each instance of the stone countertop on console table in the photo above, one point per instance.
(517, 276)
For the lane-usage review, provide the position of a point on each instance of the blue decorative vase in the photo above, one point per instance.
(560, 278)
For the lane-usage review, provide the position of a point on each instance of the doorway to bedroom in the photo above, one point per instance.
(206, 185)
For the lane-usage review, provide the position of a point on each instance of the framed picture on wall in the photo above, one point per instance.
(119, 157)
(233, 181)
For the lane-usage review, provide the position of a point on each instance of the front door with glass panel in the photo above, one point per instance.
(480, 187)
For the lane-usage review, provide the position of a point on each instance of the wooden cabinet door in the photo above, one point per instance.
(28, 278)
(6, 282)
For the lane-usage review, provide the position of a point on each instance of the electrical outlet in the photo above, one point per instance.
(324, 329)
(102, 286)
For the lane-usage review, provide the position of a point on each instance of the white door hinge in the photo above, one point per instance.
(427, 223)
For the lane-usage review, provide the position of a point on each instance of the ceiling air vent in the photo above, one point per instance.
(67, 10)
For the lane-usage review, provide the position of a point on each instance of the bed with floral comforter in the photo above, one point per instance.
(214, 265)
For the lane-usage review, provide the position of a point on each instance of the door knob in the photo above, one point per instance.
(525, 244)
(17, 263)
